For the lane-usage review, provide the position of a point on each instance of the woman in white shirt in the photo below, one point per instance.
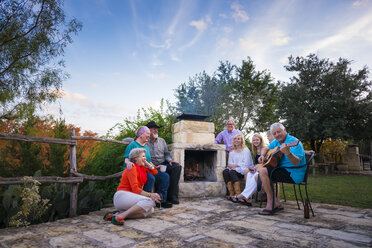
(239, 161)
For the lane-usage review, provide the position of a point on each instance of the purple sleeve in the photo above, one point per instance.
(218, 138)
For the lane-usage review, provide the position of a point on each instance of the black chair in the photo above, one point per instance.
(311, 155)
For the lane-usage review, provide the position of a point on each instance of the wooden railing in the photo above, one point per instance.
(75, 177)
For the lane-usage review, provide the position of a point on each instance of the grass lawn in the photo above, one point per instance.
(346, 190)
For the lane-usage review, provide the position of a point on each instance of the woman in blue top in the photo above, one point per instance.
(161, 179)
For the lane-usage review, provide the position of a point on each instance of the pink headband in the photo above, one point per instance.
(142, 130)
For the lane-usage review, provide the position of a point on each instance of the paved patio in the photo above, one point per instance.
(208, 222)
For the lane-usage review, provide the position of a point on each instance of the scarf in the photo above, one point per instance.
(142, 176)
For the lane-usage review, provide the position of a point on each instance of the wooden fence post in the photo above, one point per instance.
(74, 186)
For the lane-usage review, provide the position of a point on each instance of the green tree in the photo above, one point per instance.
(33, 35)
(326, 100)
(250, 97)
(240, 93)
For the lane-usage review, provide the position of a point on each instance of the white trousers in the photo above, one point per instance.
(250, 185)
(123, 200)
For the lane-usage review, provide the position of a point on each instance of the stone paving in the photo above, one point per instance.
(206, 222)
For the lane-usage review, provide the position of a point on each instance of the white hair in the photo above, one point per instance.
(135, 153)
(276, 125)
(228, 121)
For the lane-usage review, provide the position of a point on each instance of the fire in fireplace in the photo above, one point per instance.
(200, 166)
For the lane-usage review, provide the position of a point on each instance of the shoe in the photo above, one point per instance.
(164, 205)
(108, 215)
(116, 220)
(266, 212)
(174, 201)
(234, 199)
(245, 202)
(277, 209)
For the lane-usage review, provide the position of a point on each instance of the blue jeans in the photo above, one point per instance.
(161, 183)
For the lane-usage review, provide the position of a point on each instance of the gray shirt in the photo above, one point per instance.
(159, 151)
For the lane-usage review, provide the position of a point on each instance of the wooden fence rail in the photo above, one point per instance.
(75, 177)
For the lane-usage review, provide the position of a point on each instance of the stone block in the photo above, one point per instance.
(201, 189)
(193, 127)
(193, 138)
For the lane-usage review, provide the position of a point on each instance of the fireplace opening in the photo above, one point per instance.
(200, 166)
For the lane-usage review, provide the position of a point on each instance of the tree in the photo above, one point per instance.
(250, 97)
(33, 35)
(240, 93)
(326, 100)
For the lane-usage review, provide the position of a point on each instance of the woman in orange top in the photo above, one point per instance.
(130, 200)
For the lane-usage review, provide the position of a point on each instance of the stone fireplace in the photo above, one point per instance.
(202, 161)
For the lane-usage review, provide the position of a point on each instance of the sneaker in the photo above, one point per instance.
(164, 205)
(174, 201)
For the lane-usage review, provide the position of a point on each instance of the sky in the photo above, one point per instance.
(131, 54)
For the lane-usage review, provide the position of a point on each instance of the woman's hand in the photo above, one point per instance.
(149, 165)
(232, 166)
(261, 159)
(129, 164)
(155, 197)
(252, 170)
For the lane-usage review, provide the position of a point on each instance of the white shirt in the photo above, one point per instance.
(243, 159)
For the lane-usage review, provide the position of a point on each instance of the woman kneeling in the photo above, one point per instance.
(130, 200)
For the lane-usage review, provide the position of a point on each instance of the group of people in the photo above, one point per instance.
(240, 164)
(144, 185)
(143, 159)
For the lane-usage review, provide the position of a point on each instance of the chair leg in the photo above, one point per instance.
(285, 199)
(307, 198)
(302, 199)
(295, 193)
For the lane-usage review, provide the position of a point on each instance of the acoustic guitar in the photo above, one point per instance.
(272, 156)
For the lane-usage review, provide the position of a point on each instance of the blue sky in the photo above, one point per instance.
(130, 54)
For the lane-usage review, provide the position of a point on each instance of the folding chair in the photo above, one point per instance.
(304, 183)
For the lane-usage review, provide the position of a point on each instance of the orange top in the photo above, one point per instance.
(130, 180)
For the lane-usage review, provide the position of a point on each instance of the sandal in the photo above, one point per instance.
(234, 199)
(277, 209)
(117, 220)
(245, 202)
(266, 212)
(108, 215)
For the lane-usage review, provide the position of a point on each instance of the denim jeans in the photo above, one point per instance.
(161, 183)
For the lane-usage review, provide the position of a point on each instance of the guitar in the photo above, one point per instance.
(272, 157)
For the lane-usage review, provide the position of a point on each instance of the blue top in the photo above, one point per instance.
(133, 145)
(296, 174)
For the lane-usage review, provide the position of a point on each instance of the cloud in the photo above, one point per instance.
(77, 98)
(239, 14)
(359, 3)
(360, 29)
(175, 58)
(94, 86)
(247, 44)
(166, 44)
(200, 25)
(227, 29)
(156, 75)
(157, 63)
(224, 16)
(225, 43)
(279, 38)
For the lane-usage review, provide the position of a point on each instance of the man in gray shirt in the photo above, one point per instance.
(160, 156)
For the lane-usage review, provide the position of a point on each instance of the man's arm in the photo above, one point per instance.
(167, 155)
(264, 150)
(293, 158)
(218, 139)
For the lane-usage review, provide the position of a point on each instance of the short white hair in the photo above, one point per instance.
(276, 125)
(229, 121)
(135, 153)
